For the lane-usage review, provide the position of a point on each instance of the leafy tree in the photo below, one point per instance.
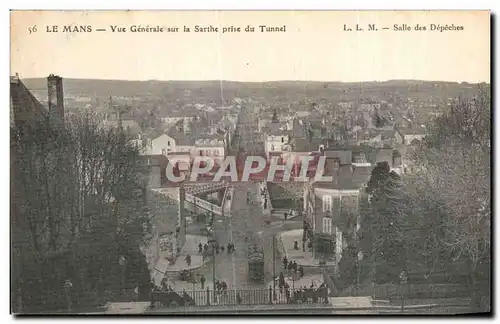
(385, 220)
(348, 267)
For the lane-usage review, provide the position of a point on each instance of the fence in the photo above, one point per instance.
(238, 297)
(417, 291)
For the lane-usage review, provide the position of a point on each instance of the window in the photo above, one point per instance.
(327, 225)
(168, 143)
(216, 152)
(327, 203)
(337, 204)
(163, 151)
(282, 140)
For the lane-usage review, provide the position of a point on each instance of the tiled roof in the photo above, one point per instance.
(346, 178)
(298, 131)
(415, 130)
(387, 134)
(384, 155)
(25, 106)
(345, 156)
(130, 127)
(274, 128)
(180, 138)
(155, 133)
(177, 114)
(303, 145)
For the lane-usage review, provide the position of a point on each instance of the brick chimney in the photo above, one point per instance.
(56, 97)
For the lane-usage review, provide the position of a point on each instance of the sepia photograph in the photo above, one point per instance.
(250, 163)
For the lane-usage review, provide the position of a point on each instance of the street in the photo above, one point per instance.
(246, 218)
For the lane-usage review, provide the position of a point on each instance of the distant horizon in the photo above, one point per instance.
(316, 47)
(240, 81)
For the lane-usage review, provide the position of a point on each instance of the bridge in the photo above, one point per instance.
(195, 202)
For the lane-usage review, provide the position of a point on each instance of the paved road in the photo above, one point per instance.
(247, 218)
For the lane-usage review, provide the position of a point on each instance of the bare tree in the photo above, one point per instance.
(454, 164)
(68, 180)
(108, 167)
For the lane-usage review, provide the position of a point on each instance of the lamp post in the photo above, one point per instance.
(274, 267)
(122, 261)
(213, 248)
(67, 289)
(360, 258)
(404, 279)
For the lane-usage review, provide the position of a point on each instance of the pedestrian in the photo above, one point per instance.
(285, 262)
(295, 245)
(282, 280)
(200, 248)
(188, 259)
(295, 266)
(290, 265)
(205, 248)
(301, 271)
(164, 285)
(222, 248)
(202, 281)
(238, 298)
(286, 216)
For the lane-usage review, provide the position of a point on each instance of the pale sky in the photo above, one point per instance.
(314, 46)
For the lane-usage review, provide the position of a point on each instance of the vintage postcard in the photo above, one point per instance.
(250, 162)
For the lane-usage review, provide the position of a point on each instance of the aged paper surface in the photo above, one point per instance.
(110, 108)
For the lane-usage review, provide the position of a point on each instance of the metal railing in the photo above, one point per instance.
(238, 297)
(203, 204)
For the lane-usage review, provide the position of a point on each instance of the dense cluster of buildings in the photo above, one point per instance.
(163, 210)
(353, 138)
